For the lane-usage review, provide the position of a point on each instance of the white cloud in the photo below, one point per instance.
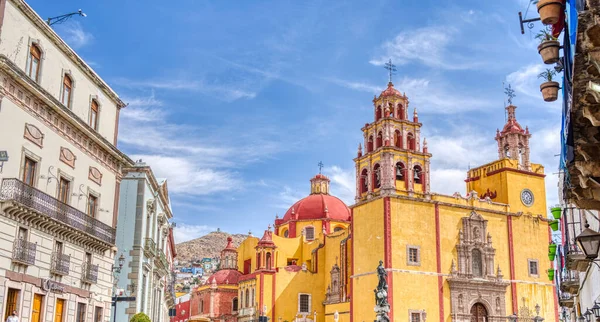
(184, 232)
(448, 181)
(428, 46)
(342, 183)
(74, 34)
(225, 92)
(525, 81)
(426, 96)
(288, 196)
(142, 109)
(185, 177)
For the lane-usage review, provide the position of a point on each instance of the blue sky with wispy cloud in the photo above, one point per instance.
(236, 102)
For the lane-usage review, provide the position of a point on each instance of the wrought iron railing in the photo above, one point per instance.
(150, 246)
(60, 263)
(89, 273)
(163, 259)
(28, 196)
(24, 252)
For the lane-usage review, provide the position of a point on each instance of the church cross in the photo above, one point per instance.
(510, 93)
(320, 164)
(391, 68)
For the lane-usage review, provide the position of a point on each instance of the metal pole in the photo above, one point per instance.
(115, 309)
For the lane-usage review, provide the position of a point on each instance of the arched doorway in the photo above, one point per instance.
(479, 313)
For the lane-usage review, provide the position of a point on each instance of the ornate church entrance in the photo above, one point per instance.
(479, 313)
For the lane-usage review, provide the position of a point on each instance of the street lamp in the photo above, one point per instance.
(513, 317)
(336, 316)
(62, 18)
(588, 315)
(117, 269)
(589, 242)
(581, 318)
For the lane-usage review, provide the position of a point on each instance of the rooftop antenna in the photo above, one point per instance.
(62, 18)
(391, 68)
(320, 164)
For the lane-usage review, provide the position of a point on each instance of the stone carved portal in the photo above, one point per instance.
(477, 293)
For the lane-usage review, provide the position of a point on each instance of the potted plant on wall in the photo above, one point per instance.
(550, 274)
(549, 11)
(554, 225)
(556, 212)
(548, 47)
(549, 88)
(551, 251)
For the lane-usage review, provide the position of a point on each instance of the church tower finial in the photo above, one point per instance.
(513, 140)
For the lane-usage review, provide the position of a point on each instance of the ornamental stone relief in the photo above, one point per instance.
(67, 157)
(33, 134)
(95, 175)
(474, 283)
(333, 294)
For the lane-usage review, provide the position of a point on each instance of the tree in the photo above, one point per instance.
(140, 317)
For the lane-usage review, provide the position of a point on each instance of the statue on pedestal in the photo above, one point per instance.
(382, 307)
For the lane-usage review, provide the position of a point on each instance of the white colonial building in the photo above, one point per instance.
(59, 186)
(145, 237)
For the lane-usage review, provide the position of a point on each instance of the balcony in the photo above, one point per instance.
(570, 282)
(575, 259)
(36, 207)
(161, 260)
(24, 252)
(247, 311)
(60, 264)
(149, 247)
(89, 273)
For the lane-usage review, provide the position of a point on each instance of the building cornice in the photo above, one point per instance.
(69, 116)
(154, 183)
(48, 32)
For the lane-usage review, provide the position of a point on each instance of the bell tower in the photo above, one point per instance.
(393, 160)
(513, 141)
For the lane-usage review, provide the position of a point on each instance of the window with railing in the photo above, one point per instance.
(90, 271)
(304, 303)
(24, 252)
(60, 263)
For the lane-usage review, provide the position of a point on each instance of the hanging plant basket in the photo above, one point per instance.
(556, 212)
(554, 225)
(549, 91)
(549, 51)
(551, 251)
(550, 274)
(549, 11)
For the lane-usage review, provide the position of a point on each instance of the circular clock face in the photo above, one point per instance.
(527, 197)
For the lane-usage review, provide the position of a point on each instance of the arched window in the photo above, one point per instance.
(398, 139)
(286, 233)
(67, 91)
(401, 113)
(258, 262)
(378, 113)
(506, 151)
(94, 113)
(476, 263)
(242, 297)
(252, 299)
(410, 138)
(269, 264)
(33, 63)
(309, 233)
(379, 140)
(400, 171)
(418, 174)
(377, 176)
(364, 184)
(234, 304)
(338, 228)
(247, 299)
(370, 144)
(201, 306)
(521, 154)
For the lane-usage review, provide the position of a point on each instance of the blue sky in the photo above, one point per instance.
(235, 102)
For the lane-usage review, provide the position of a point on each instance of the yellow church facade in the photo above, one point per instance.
(475, 257)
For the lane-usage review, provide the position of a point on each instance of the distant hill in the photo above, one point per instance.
(209, 245)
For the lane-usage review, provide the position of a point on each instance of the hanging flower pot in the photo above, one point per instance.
(549, 11)
(554, 225)
(551, 251)
(556, 212)
(549, 51)
(550, 274)
(549, 91)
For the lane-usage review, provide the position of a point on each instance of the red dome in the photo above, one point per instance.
(391, 91)
(318, 206)
(224, 276)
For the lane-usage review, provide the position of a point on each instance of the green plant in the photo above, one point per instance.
(548, 74)
(140, 317)
(545, 35)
